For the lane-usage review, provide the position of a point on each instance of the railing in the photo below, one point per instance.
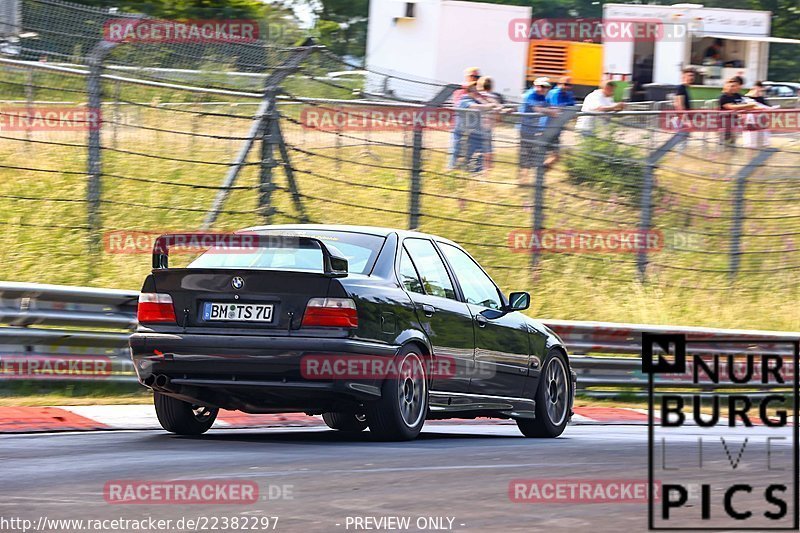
(62, 322)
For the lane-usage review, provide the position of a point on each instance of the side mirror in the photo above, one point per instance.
(518, 301)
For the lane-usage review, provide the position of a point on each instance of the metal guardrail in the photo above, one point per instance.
(61, 322)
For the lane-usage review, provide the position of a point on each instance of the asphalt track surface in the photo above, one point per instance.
(452, 471)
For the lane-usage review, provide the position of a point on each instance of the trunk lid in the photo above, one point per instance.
(287, 292)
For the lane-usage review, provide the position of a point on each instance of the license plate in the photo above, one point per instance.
(237, 312)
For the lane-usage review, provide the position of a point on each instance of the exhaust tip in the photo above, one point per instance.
(161, 381)
(149, 380)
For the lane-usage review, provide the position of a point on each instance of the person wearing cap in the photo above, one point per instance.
(471, 76)
(534, 100)
(562, 95)
(598, 101)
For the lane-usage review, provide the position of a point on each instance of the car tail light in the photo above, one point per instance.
(155, 307)
(331, 312)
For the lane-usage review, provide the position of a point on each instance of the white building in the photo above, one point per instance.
(433, 41)
(688, 30)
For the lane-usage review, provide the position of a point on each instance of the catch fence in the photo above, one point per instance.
(219, 137)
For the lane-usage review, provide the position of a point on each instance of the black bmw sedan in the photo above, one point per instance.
(369, 327)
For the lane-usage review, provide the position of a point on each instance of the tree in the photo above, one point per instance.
(187, 9)
(342, 25)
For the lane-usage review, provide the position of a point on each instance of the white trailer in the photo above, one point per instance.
(744, 34)
(429, 42)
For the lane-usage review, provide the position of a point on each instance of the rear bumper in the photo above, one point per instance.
(252, 372)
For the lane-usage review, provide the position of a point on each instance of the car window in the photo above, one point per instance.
(408, 274)
(435, 279)
(361, 251)
(477, 287)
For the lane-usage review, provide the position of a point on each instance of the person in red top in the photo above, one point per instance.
(471, 76)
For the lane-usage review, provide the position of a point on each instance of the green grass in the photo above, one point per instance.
(46, 240)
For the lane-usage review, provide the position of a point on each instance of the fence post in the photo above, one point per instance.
(738, 207)
(116, 112)
(268, 162)
(646, 216)
(29, 97)
(94, 87)
(416, 180)
(414, 205)
(256, 128)
(546, 142)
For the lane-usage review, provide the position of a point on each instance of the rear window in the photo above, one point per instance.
(361, 251)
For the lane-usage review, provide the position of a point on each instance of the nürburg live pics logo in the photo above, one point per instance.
(722, 432)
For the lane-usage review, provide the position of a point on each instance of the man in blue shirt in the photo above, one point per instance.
(562, 95)
(534, 100)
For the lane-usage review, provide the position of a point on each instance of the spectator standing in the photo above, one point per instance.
(754, 136)
(472, 104)
(562, 95)
(598, 101)
(534, 100)
(731, 100)
(489, 118)
(471, 76)
(681, 100)
(757, 93)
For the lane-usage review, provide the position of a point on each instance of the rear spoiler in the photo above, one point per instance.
(334, 263)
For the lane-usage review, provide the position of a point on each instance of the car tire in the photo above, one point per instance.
(553, 399)
(183, 418)
(348, 422)
(403, 407)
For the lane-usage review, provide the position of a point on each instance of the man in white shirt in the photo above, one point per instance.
(598, 101)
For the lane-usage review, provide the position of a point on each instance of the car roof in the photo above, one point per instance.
(785, 83)
(369, 230)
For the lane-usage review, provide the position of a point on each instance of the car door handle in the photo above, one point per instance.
(428, 310)
(481, 320)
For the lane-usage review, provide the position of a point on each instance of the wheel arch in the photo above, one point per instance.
(414, 337)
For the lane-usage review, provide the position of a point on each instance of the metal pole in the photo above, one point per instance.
(538, 203)
(271, 88)
(738, 207)
(415, 207)
(116, 113)
(545, 142)
(287, 167)
(29, 97)
(94, 163)
(268, 162)
(646, 216)
(416, 180)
